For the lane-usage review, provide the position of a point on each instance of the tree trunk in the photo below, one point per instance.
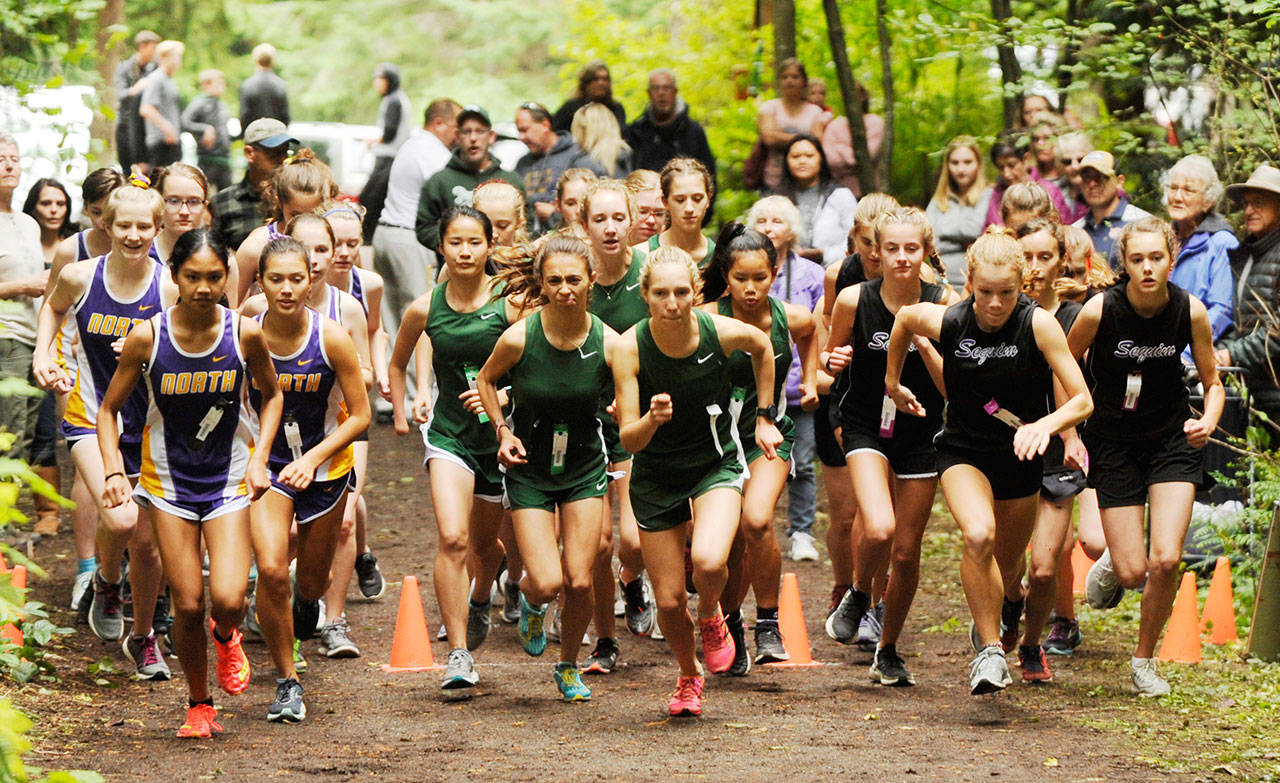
(1068, 59)
(852, 97)
(1010, 71)
(111, 16)
(784, 30)
(886, 81)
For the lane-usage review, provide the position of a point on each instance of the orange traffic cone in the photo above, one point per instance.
(1182, 635)
(795, 637)
(4, 567)
(1080, 565)
(1219, 621)
(11, 632)
(411, 645)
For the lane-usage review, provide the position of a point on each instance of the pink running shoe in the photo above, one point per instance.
(233, 664)
(687, 700)
(717, 645)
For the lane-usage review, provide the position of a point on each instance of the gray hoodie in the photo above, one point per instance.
(540, 173)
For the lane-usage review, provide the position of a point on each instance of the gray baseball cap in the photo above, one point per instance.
(268, 132)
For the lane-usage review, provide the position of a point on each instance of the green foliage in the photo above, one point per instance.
(40, 41)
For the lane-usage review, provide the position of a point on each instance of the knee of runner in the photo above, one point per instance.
(578, 584)
(539, 589)
(312, 586)
(705, 566)
(1164, 564)
(273, 578)
(878, 529)
(454, 545)
(187, 608)
(1131, 575)
(1041, 573)
(980, 540)
(670, 602)
(756, 523)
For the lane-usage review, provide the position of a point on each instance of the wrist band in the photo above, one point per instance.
(499, 426)
(109, 475)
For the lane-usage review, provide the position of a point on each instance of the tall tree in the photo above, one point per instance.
(1010, 70)
(886, 81)
(108, 45)
(851, 94)
(784, 30)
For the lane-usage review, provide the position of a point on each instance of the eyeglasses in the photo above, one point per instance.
(193, 204)
(1071, 161)
(536, 109)
(657, 213)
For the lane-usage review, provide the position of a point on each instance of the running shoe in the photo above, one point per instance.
(569, 680)
(870, 628)
(1102, 587)
(477, 624)
(80, 589)
(510, 600)
(655, 633)
(144, 652)
(837, 592)
(1010, 622)
(442, 634)
(288, 706)
(306, 614)
(162, 620)
(533, 639)
(975, 640)
(687, 699)
(233, 664)
(769, 646)
(1035, 666)
(604, 658)
(989, 672)
(460, 672)
(251, 615)
(842, 624)
(202, 723)
(888, 668)
(106, 617)
(300, 664)
(1146, 681)
(802, 547)
(552, 626)
(1064, 637)
(741, 655)
(718, 649)
(335, 637)
(372, 585)
(636, 607)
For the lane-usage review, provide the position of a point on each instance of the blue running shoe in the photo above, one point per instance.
(533, 639)
(568, 679)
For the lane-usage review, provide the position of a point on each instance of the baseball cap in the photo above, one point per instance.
(268, 132)
(1099, 161)
(472, 111)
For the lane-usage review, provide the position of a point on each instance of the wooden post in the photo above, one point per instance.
(1264, 629)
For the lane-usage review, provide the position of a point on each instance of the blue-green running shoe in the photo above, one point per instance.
(568, 679)
(533, 637)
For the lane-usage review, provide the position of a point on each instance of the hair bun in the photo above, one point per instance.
(139, 180)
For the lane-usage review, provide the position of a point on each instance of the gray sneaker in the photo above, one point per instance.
(870, 628)
(636, 606)
(460, 672)
(106, 618)
(477, 624)
(144, 652)
(335, 637)
(842, 624)
(288, 706)
(251, 615)
(1101, 588)
(510, 600)
(1146, 682)
(989, 671)
(80, 588)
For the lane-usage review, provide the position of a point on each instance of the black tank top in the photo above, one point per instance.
(863, 389)
(1055, 453)
(1148, 348)
(850, 273)
(986, 371)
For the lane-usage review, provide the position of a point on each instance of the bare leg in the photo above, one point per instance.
(1052, 530)
(664, 560)
(1171, 504)
(913, 502)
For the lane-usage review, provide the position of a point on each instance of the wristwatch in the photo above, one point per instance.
(771, 412)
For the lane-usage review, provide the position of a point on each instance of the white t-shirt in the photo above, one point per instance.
(20, 257)
(418, 159)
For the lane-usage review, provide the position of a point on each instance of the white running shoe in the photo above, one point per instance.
(1146, 681)
(802, 547)
(1102, 587)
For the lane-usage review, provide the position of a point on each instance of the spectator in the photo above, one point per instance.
(395, 120)
(594, 86)
(800, 282)
(23, 278)
(665, 131)
(651, 214)
(1012, 161)
(597, 133)
(1033, 105)
(1024, 202)
(239, 209)
(1202, 268)
(837, 143)
(405, 265)
(1045, 128)
(959, 205)
(781, 119)
(206, 118)
(1109, 210)
(1071, 148)
(550, 155)
(130, 81)
(826, 207)
(816, 93)
(1256, 264)
(467, 168)
(159, 106)
(263, 93)
(49, 204)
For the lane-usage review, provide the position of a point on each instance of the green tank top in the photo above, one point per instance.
(460, 345)
(701, 432)
(711, 250)
(621, 305)
(743, 377)
(554, 397)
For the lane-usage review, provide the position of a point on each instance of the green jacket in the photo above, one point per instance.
(453, 186)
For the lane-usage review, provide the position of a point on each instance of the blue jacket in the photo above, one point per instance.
(1204, 270)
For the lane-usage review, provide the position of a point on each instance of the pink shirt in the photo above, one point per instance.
(837, 145)
(790, 123)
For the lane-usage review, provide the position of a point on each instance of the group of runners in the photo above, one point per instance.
(217, 404)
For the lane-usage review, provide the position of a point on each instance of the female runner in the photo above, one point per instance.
(687, 190)
(1001, 355)
(325, 408)
(651, 216)
(1144, 446)
(892, 461)
(736, 284)
(49, 204)
(199, 469)
(106, 297)
(463, 319)
(552, 447)
(570, 189)
(686, 450)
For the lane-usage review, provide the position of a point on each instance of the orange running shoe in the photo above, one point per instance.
(233, 664)
(718, 648)
(202, 723)
(687, 700)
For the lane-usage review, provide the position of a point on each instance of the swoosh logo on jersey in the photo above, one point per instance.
(777, 355)
(304, 362)
(217, 359)
(586, 355)
(633, 286)
(144, 308)
(603, 481)
(486, 316)
(704, 358)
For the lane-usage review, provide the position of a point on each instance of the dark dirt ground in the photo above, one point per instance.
(805, 724)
